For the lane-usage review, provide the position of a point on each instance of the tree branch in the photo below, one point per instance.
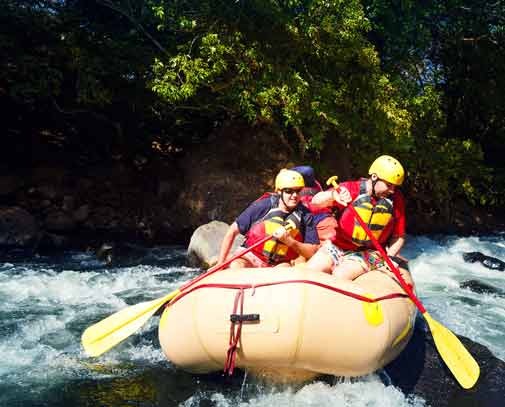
(129, 16)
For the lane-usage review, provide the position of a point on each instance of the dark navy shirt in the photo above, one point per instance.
(258, 209)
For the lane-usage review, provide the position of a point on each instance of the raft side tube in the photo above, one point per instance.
(302, 328)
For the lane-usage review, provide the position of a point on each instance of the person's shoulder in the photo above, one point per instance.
(353, 186)
(305, 213)
(254, 212)
(262, 204)
(399, 201)
(398, 196)
(302, 209)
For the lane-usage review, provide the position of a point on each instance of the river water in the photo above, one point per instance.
(47, 301)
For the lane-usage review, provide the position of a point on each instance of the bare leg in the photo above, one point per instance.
(299, 260)
(283, 265)
(348, 270)
(321, 261)
(241, 263)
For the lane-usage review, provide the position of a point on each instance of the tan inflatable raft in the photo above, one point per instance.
(296, 323)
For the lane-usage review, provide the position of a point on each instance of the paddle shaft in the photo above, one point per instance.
(221, 266)
(393, 268)
(106, 334)
(384, 255)
(457, 358)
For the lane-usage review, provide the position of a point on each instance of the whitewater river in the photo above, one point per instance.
(46, 303)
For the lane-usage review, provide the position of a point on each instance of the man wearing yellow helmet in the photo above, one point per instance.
(380, 204)
(270, 215)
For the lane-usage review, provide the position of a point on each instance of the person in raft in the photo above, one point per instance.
(324, 220)
(381, 206)
(270, 215)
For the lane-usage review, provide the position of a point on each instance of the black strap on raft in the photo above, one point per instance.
(238, 318)
(245, 318)
(401, 263)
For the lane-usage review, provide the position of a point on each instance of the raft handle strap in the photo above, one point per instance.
(235, 331)
(245, 318)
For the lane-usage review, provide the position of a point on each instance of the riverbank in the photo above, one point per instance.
(162, 199)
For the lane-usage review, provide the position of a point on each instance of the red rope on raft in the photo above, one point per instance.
(236, 327)
(231, 354)
(254, 286)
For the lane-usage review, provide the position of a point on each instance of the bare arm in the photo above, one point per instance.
(306, 250)
(227, 242)
(325, 199)
(395, 246)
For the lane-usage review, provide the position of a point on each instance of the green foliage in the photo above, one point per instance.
(77, 72)
(419, 80)
(447, 59)
(303, 64)
(442, 167)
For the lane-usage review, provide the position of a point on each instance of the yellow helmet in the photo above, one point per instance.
(288, 179)
(389, 169)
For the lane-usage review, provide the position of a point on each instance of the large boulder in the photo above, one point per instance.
(419, 370)
(228, 172)
(487, 261)
(203, 249)
(18, 228)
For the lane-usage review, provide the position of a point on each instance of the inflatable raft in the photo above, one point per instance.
(289, 324)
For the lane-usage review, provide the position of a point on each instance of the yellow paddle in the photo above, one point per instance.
(107, 333)
(457, 358)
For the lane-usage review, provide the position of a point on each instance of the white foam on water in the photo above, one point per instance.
(53, 308)
(45, 311)
(364, 392)
(48, 287)
(439, 269)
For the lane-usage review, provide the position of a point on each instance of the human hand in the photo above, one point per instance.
(281, 234)
(342, 196)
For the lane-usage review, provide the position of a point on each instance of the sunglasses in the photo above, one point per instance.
(291, 191)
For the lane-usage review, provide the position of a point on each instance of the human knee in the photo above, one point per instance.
(321, 261)
(348, 270)
(239, 263)
(282, 265)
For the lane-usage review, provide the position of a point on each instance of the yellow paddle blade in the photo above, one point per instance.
(107, 333)
(457, 358)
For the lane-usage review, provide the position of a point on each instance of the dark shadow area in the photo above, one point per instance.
(419, 370)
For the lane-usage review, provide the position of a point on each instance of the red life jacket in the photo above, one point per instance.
(377, 214)
(273, 251)
(307, 195)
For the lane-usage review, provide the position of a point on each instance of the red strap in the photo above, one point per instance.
(235, 331)
(311, 282)
(236, 326)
